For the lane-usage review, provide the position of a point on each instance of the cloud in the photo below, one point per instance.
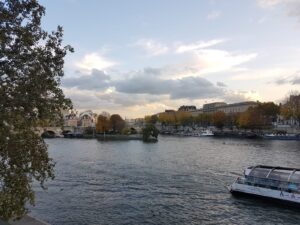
(126, 100)
(296, 80)
(149, 81)
(213, 15)
(97, 80)
(268, 3)
(197, 45)
(188, 87)
(209, 60)
(293, 79)
(152, 47)
(221, 84)
(240, 96)
(212, 60)
(292, 7)
(94, 61)
(145, 92)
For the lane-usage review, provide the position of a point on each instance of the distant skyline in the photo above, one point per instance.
(137, 57)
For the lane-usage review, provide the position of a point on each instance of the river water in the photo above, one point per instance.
(175, 181)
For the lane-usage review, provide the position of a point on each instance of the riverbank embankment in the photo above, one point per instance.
(28, 220)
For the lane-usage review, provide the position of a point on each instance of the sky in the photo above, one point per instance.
(138, 58)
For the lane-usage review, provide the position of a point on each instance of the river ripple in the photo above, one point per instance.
(174, 181)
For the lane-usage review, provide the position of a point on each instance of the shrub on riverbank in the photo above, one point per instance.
(150, 133)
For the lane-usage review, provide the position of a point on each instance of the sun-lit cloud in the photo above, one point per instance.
(213, 60)
(233, 96)
(182, 48)
(94, 61)
(207, 58)
(152, 47)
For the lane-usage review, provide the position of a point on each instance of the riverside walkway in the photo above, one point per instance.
(28, 220)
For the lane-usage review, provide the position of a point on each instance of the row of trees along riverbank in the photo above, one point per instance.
(260, 117)
(115, 125)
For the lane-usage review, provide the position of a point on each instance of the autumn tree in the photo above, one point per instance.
(219, 119)
(167, 118)
(117, 123)
(204, 119)
(232, 120)
(291, 108)
(251, 119)
(151, 119)
(31, 66)
(182, 117)
(269, 110)
(260, 116)
(103, 124)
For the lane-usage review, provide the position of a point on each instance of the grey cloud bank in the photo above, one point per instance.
(150, 82)
(97, 80)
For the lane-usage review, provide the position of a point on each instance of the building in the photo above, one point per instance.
(212, 107)
(228, 108)
(292, 122)
(87, 119)
(196, 112)
(295, 99)
(169, 111)
(236, 107)
(71, 119)
(187, 108)
(137, 124)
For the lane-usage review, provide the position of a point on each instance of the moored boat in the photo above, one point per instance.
(277, 183)
(276, 136)
(204, 133)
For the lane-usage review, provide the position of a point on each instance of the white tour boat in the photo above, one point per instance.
(204, 133)
(277, 183)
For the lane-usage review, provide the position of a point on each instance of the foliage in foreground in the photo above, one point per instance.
(31, 65)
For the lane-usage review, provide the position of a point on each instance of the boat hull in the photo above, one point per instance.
(283, 138)
(277, 195)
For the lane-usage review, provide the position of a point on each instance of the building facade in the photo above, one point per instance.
(212, 107)
(71, 120)
(236, 107)
(187, 108)
(87, 119)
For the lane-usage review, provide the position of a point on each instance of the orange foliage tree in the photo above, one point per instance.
(174, 118)
(167, 118)
(117, 123)
(151, 119)
(204, 119)
(219, 119)
(103, 124)
(251, 119)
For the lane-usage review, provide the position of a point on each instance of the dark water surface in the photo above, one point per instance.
(174, 181)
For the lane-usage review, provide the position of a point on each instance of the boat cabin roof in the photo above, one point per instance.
(283, 174)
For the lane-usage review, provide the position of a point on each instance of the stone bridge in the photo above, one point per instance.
(56, 131)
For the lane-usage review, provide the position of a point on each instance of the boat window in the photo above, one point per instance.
(280, 175)
(295, 178)
(259, 172)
